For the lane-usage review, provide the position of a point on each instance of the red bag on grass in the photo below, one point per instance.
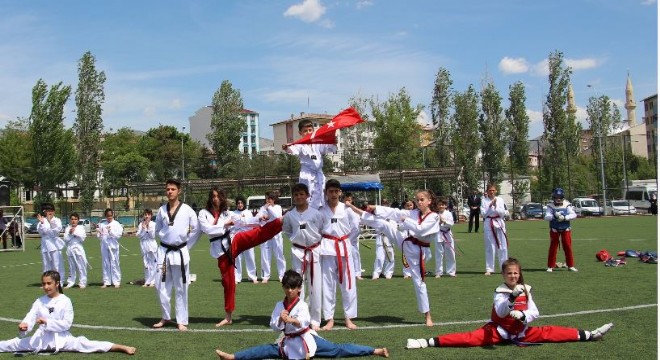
(603, 255)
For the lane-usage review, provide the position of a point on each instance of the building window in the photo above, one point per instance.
(245, 150)
(245, 138)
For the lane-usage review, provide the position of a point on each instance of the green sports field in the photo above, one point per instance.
(626, 296)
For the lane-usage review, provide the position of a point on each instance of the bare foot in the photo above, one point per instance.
(329, 325)
(429, 322)
(255, 281)
(487, 273)
(117, 286)
(316, 327)
(223, 355)
(382, 352)
(264, 281)
(104, 286)
(350, 324)
(161, 323)
(130, 350)
(182, 327)
(145, 285)
(224, 322)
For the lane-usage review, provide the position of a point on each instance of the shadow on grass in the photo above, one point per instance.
(381, 320)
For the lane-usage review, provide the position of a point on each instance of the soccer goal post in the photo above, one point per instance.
(13, 225)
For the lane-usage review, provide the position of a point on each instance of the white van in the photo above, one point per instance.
(586, 207)
(256, 201)
(639, 195)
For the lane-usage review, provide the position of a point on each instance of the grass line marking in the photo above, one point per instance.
(338, 328)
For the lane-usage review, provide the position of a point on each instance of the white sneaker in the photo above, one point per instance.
(416, 344)
(573, 269)
(598, 333)
(549, 270)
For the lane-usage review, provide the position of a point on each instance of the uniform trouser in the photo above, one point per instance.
(273, 246)
(240, 242)
(110, 262)
(488, 335)
(313, 283)
(357, 261)
(250, 265)
(566, 243)
(150, 260)
(445, 252)
(493, 246)
(73, 344)
(331, 281)
(412, 253)
(384, 263)
(474, 216)
(53, 260)
(324, 349)
(173, 280)
(77, 265)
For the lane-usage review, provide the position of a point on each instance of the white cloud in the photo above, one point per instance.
(540, 68)
(366, 3)
(513, 65)
(582, 64)
(309, 11)
(648, 2)
(535, 116)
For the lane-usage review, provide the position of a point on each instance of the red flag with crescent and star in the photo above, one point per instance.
(326, 133)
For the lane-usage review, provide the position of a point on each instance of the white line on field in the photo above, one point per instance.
(375, 327)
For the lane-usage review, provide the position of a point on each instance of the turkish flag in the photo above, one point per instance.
(326, 133)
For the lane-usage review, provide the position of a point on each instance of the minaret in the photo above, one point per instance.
(630, 103)
(570, 102)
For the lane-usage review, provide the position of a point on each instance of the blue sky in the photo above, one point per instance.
(164, 59)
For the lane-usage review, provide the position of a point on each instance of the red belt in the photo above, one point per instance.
(340, 268)
(290, 336)
(421, 244)
(308, 249)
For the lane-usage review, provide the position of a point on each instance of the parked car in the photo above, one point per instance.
(33, 228)
(619, 207)
(586, 207)
(531, 211)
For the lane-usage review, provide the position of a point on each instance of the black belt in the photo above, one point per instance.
(222, 245)
(173, 248)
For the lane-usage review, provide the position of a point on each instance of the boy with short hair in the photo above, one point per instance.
(338, 226)
(291, 317)
(49, 227)
(311, 162)
(74, 235)
(303, 226)
(355, 241)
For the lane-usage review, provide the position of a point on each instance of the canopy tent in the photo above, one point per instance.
(363, 182)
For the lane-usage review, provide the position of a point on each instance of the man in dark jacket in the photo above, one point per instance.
(474, 202)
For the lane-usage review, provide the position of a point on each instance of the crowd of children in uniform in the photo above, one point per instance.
(323, 231)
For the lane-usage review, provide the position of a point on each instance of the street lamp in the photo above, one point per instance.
(183, 157)
(183, 162)
(600, 146)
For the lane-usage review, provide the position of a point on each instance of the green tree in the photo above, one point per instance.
(492, 127)
(397, 131)
(604, 119)
(16, 150)
(465, 137)
(88, 126)
(53, 154)
(558, 129)
(442, 128)
(227, 126)
(162, 147)
(518, 128)
(122, 162)
(354, 156)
